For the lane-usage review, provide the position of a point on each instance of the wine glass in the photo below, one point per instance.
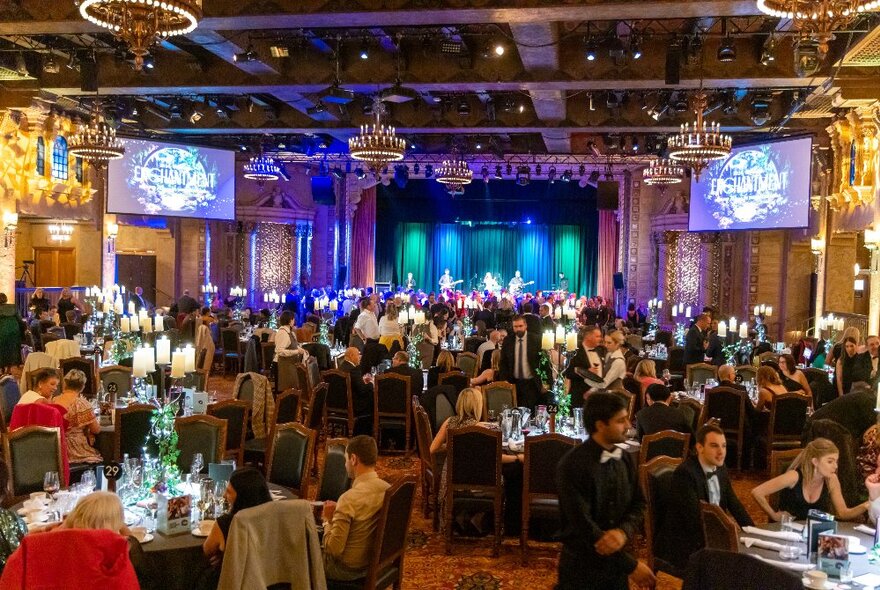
(89, 481)
(666, 376)
(51, 483)
(196, 466)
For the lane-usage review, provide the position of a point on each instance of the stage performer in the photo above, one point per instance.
(490, 284)
(446, 281)
(410, 282)
(563, 285)
(515, 286)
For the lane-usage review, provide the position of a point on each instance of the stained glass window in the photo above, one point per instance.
(41, 156)
(59, 159)
(78, 169)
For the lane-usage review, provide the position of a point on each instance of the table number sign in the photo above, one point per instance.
(174, 514)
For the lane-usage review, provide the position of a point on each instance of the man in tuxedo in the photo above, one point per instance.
(139, 301)
(400, 365)
(873, 343)
(545, 312)
(702, 476)
(658, 415)
(519, 363)
(487, 314)
(727, 378)
(695, 342)
(533, 322)
(361, 384)
(590, 353)
(854, 411)
(187, 304)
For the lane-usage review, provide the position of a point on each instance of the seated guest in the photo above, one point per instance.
(207, 317)
(81, 422)
(658, 415)
(46, 385)
(701, 476)
(490, 374)
(810, 482)
(445, 363)
(350, 523)
(389, 328)
(494, 341)
(246, 488)
(854, 411)
(793, 378)
(769, 385)
(727, 378)
(646, 374)
(400, 365)
(12, 527)
(286, 343)
(361, 383)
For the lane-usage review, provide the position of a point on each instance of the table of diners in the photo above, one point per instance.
(860, 563)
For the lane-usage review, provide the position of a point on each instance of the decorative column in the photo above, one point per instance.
(297, 233)
(308, 230)
(108, 257)
(710, 268)
(353, 192)
(662, 242)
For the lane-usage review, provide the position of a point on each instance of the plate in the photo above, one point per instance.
(198, 533)
(826, 585)
(858, 549)
(147, 538)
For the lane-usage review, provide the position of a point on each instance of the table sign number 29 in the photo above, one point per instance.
(112, 471)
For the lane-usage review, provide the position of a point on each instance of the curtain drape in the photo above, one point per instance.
(607, 253)
(363, 240)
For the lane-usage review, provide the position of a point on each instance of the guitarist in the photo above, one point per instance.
(516, 284)
(446, 281)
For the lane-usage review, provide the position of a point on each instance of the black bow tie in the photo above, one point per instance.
(711, 474)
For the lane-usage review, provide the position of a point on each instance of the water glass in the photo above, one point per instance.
(89, 481)
(786, 522)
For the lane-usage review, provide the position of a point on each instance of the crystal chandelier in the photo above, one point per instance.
(96, 142)
(60, 232)
(377, 145)
(141, 22)
(817, 19)
(662, 172)
(262, 168)
(696, 146)
(454, 173)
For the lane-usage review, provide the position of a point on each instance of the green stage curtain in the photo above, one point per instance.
(539, 252)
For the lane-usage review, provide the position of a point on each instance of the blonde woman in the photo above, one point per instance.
(769, 385)
(615, 364)
(389, 329)
(488, 376)
(811, 482)
(646, 374)
(98, 510)
(445, 363)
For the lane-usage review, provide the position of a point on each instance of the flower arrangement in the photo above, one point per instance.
(163, 475)
(324, 333)
(412, 349)
(467, 327)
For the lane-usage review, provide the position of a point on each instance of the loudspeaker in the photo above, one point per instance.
(341, 273)
(673, 63)
(618, 280)
(322, 190)
(606, 195)
(88, 75)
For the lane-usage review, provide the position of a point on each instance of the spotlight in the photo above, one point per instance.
(429, 170)
(807, 57)
(464, 108)
(727, 51)
(149, 61)
(498, 175)
(521, 108)
(499, 48)
(523, 175)
(20, 65)
(566, 176)
(528, 221)
(538, 170)
(768, 51)
(591, 50)
(50, 66)
(582, 170)
(73, 62)
(416, 168)
(681, 103)
(635, 143)
(594, 176)
(316, 110)
(613, 100)
(337, 172)
(359, 172)
(760, 114)
(635, 46)
(551, 175)
(401, 175)
(616, 50)
(249, 55)
(365, 51)
(484, 172)
(242, 148)
(509, 169)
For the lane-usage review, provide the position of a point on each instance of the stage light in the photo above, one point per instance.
(429, 170)
(509, 169)
(249, 54)
(551, 175)
(523, 176)
(727, 51)
(768, 51)
(528, 221)
(365, 51)
(338, 173)
(538, 170)
(195, 116)
(566, 176)
(582, 170)
(807, 57)
(498, 175)
(149, 61)
(635, 144)
(416, 168)
(616, 50)
(635, 45)
(464, 108)
(760, 114)
(484, 172)
(401, 175)
(479, 146)
(359, 173)
(50, 66)
(499, 48)
(591, 50)
(521, 108)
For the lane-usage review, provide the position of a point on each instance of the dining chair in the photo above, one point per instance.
(746, 373)
(780, 461)
(468, 363)
(719, 528)
(426, 354)
(232, 349)
(456, 379)
(699, 373)
(267, 353)
(200, 434)
(87, 367)
(668, 443)
(31, 452)
(356, 341)
(675, 359)
(655, 480)
(287, 376)
(724, 570)
(691, 409)
(8, 397)
(287, 407)
(236, 413)
(496, 395)
(728, 407)
(339, 404)
(788, 416)
(391, 407)
(390, 543)
(303, 384)
(472, 343)
(245, 389)
(473, 479)
(540, 496)
(334, 480)
(429, 465)
(288, 459)
(131, 431)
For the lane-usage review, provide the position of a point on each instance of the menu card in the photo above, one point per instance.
(833, 554)
(174, 514)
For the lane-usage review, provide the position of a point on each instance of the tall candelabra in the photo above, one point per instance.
(654, 305)
(679, 310)
(761, 313)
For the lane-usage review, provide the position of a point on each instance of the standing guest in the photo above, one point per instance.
(350, 524)
(186, 304)
(601, 504)
(794, 379)
(206, 317)
(701, 477)
(246, 488)
(519, 363)
(810, 483)
(46, 384)
(646, 374)
(389, 328)
(873, 343)
(836, 350)
(851, 366)
(139, 301)
(39, 302)
(67, 302)
(769, 386)
(286, 343)
(81, 422)
(715, 348)
(545, 312)
(216, 303)
(10, 335)
(659, 415)
(590, 355)
(611, 375)
(695, 342)
(534, 324)
(400, 365)
(366, 326)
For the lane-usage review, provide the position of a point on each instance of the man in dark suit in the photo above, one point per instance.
(361, 385)
(695, 342)
(854, 411)
(520, 355)
(400, 365)
(727, 378)
(139, 301)
(702, 476)
(589, 354)
(533, 322)
(545, 312)
(715, 349)
(187, 304)
(658, 415)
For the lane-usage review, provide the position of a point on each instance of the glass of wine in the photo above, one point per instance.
(196, 466)
(51, 483)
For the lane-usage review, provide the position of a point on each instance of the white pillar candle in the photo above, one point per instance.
(189, 355)
(150, 358)
(403, 317)
(131, 308)
(571, 340)
(769, 311)
(163, 350)
(334, 305)
(135, 324)
(125, 324)
(722, 329)
(547, 340)
(660, 304)
(138, 364)
(557, 312)
(674, 311)
(178, 364)
(687, 312)
(117, 305)
(106, 307)
(560, 334)
(147, 325)
(570, 313)
(744, 330)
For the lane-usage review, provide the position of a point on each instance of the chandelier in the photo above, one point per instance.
(696, 146)
(60, 232)
(454, 173)
(662, 172)
(141, 22)
(377, 145)
(817, 19)
(96, 142)
(262, 168)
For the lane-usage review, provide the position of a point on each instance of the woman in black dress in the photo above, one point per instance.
(246, 488)
(851, 367)
(39, 302)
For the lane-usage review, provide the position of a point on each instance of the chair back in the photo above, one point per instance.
(788, 416)
(676, 359)
(314, 417)
(58, 332)
(468, 363)
(635, 341)
(691, 409)
(9, 397)
(267, 353)
(132, 427)
(698, 373)
(655, 479)
(87, 367)
(334, 478)
(245, 390)
(423, 435)
(496, 395)
(473, 458)
(289, 457)
(339, 405)
(392, 525)
(356, 341)
(472, 343)
(426, 353)
(667, 443)
(780, 461)
(116, 380)
(727, 405)
(724, 570)
(229, 341)
(314, 373)
(200, 434)
(31, 452)
(393, 394)
(813, 374)
(236, 413)
(719, 528)
(287, 374)
(287, 407)
(541, 455)
(301, 378)
(456, 379)
(443, 409)
(747, 373)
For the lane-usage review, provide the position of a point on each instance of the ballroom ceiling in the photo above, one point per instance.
(471, 75)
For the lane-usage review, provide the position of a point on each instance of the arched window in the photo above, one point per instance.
(59, 159)
(41, 156)
(78, 169)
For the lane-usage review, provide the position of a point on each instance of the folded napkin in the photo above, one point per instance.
(865, 529)
(751, 542)
(789, 565)
(782, 535)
